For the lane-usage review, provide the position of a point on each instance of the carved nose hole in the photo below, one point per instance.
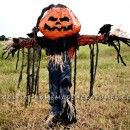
(58, 23)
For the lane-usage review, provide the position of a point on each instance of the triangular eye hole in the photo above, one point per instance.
(64, 19)
(52, 19)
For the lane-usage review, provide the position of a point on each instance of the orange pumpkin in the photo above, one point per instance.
(59, 22)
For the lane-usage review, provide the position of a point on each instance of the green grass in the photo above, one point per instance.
(107, 110)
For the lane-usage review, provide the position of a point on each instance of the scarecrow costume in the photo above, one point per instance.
(60, 28)
(61, 39)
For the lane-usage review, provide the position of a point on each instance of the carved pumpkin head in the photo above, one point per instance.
(58, 22)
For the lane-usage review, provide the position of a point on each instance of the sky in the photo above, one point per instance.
(18, 17)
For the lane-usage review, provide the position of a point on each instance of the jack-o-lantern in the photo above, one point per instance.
(59, 22)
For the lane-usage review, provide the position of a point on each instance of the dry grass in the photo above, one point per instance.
(107, 110)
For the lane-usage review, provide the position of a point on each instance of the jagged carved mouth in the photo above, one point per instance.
(64, 28)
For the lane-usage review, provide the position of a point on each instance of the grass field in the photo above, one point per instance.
(108, 109)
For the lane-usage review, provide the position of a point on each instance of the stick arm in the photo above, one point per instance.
(90, 39)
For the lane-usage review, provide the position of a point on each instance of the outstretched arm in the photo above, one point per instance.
(14, 44)
(30, 43)
(109, 39)
(90, 39)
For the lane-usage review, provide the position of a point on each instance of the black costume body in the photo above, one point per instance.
(59, 79)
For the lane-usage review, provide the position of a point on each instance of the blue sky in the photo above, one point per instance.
(18, 17)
